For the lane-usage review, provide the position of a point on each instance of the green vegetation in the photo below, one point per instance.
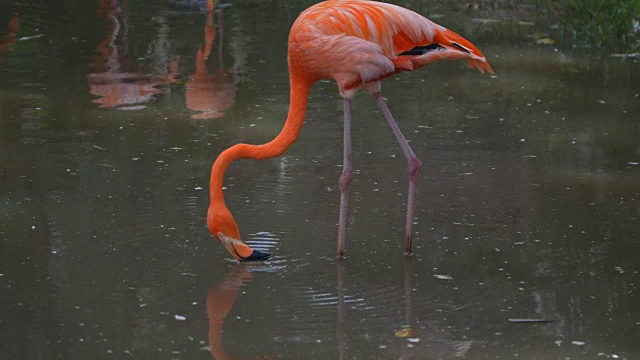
(598, 23)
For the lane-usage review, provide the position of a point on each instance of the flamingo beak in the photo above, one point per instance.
(257, 256)
(240, 250)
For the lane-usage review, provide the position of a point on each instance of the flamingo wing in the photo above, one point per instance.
(356, 41)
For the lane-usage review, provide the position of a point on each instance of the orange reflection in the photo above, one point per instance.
(210, 94)
(114, 79)
(8, 40)
(220, 300)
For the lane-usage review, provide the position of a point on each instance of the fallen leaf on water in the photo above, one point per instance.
(545, 41)
(406, 332)
(541, 39)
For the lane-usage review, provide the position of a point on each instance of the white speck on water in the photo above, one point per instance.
(633, 163)
(558, 342)
(33, 227)
(198, 188)
(619, 269)
(442, 277)
(578, 343)
(382, 346)
(523, 140)
(413, 340)
(135, 159)
(180, 317)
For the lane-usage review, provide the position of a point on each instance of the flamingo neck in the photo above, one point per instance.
(299, 93)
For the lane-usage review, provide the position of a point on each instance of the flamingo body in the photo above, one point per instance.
(357, 43)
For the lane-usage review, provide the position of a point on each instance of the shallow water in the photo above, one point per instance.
(111, 115)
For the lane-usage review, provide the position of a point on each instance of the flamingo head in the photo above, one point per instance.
(223, 227)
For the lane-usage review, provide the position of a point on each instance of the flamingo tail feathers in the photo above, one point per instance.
(446, 45)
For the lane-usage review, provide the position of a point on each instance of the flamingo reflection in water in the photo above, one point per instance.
(8, 39)
(114, 79)
(222, 296)
(220, 300)
(211, 94)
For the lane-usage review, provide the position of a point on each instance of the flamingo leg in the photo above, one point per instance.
(345, 178)
(413, 168)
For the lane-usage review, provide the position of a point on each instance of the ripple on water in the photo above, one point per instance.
(268, 242)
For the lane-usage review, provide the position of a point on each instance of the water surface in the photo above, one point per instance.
(111, 114)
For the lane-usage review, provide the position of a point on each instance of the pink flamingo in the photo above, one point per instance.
(357, 43)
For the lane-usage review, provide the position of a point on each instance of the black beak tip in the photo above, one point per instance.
(257, 256)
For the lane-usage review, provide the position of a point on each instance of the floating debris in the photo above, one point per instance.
(625, 56)
(180, 317)
(541, 39)
(529, 321)
(442, 277)
(24, 38)
(405, 333)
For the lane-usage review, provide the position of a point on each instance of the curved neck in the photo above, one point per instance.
(299, 94)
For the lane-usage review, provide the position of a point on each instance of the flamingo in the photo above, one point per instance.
(357, 43)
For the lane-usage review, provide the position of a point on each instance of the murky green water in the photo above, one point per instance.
(111, 114)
